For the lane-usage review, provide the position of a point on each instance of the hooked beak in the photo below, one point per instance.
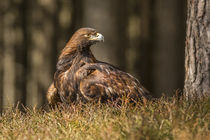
(98, 37)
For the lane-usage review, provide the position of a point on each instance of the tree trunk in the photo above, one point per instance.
(21, 54)
(12, 53)
(112, 25)
(1, 57)
(156, 38)
(140, 51)
(50, 24)
(197, 50)
(168, 58)
(11, 38)
(40, 30)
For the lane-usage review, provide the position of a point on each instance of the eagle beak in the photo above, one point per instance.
(98, 37)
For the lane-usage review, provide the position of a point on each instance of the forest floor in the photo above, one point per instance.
(160, 119)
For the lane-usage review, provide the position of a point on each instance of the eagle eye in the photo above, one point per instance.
(86, 35)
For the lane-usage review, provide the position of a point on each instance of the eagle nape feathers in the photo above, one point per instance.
(79, 77)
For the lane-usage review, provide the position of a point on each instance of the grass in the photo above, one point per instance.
(159, 120)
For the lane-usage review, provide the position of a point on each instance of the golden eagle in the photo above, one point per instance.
(80, 77)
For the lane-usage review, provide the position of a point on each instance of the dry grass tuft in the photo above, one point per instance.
(160, 119)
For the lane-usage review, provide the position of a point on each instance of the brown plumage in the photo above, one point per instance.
(80, 77)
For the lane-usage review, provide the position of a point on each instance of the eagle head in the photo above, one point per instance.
(85, 37)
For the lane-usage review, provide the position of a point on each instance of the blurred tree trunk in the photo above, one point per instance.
(20, 49)
(168, 43)
(31, 35)
(110, 18)
(11, 37)
(156, 34)
(50, 26)
(120, 12)
(77, 15)
(69, 17)
(146, 51)
(197, 51)
(1, 65)
(14, 60)
(1, 56)
(40, 36)
(140, 31)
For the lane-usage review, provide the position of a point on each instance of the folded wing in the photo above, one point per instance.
(101, 81)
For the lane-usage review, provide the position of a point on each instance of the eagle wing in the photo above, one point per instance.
(53, 96)
(101, 81)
